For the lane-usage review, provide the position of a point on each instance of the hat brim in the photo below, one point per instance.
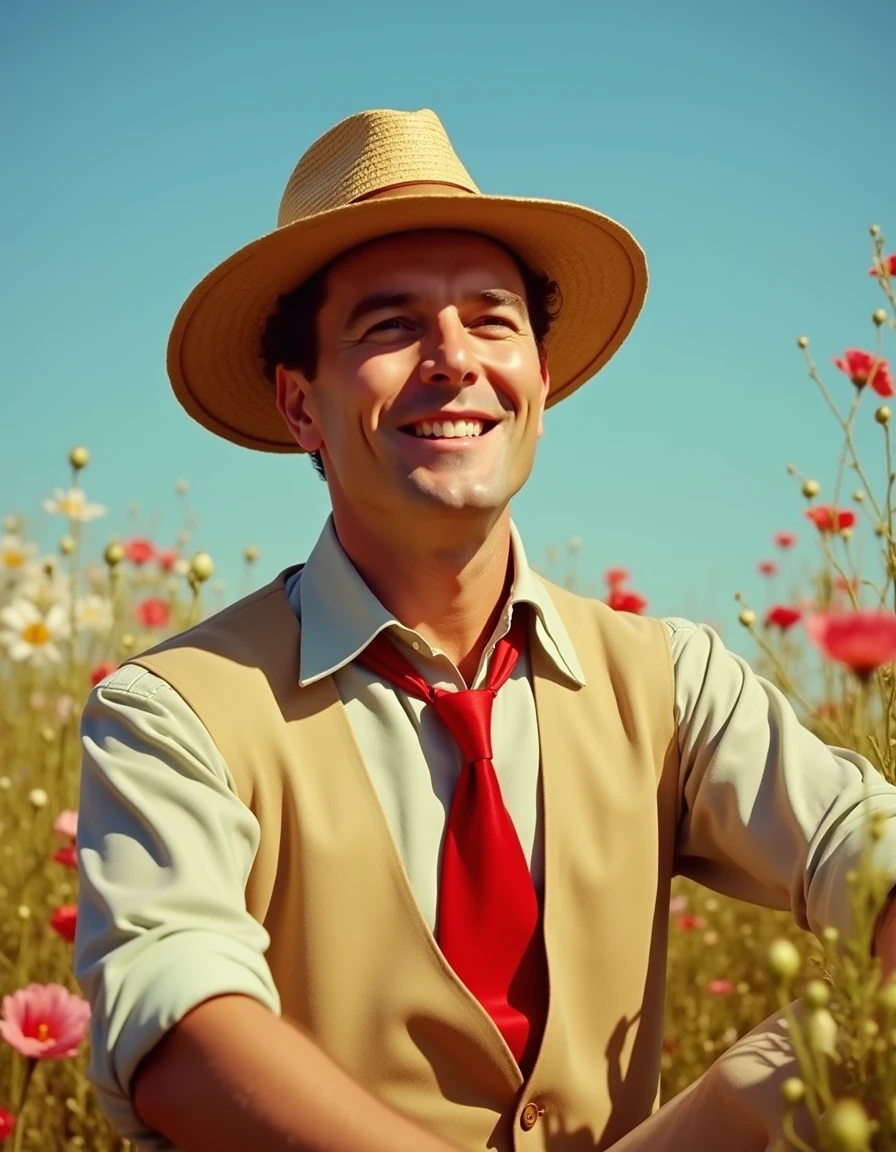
(214, 362)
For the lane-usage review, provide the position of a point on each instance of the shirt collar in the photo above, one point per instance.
(340, 615)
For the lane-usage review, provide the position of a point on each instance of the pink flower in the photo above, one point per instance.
(624, 601)
(889, 263)
(785, 539)
(863, 368)
(766, 568)
(719, 987)
(7, 1124)
(67, 856)
(44, 1021)
(616, 577)
(64, 920)
(67, 824)
(861, 640)
(677, 904)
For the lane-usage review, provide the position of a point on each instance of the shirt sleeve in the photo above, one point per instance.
(768, 813)
(164, 848)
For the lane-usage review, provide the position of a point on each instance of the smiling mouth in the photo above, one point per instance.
(449, 429)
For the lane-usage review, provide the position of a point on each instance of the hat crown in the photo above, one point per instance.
(369, 153)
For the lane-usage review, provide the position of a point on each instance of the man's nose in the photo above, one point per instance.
(449, 356)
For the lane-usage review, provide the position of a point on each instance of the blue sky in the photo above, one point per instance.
(744, 145)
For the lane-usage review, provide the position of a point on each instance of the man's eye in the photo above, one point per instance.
(394, 323)
(489, 321)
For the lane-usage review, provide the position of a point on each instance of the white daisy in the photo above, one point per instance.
(28, 634)
(15, 554)
(74, 505)
(93, 614)
(45, 589)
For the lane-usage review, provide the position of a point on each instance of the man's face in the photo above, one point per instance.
(430, 391)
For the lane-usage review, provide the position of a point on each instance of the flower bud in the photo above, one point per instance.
(127, 643)
(821, 1031)
(803, 342)
(12, 525)
(49, 566)
(880, 529)
(883, 414)
(201, 567)
(783, 959)
(858, 496)
(182, 487)
(811, 488)
(845, 1127)
(817, 994)
(79, 457)
(67, 545)
(830, 936)
(24, 912)
(250, 553)
(113, 555)
(793, 1090)
(879, 317)
(747, 617)
(874, 229)
(38, 798)
(574, 544)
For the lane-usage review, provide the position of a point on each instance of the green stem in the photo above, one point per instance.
(20, 1110)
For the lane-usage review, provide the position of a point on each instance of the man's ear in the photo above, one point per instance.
(295, 403)
(545, 388)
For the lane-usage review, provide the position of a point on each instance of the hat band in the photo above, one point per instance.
(415, 188)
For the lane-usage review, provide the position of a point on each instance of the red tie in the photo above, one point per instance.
(488, 915)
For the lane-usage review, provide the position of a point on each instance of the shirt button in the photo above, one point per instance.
(416, 646)
(529, 1116)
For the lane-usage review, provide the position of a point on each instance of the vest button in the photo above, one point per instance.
(529, 1116)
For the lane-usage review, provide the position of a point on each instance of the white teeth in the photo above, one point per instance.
(449, 429)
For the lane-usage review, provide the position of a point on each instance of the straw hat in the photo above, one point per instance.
(373, 174)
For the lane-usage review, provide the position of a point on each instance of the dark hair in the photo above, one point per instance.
(290, 334)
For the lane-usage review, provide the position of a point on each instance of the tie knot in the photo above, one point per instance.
(468, 717)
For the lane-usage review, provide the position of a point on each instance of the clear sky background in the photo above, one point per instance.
(747, 146)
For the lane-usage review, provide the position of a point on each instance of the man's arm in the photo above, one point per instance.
(232, 1076)
(187, 1047)
(768, 812)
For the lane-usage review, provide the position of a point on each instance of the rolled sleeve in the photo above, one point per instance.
(768, 812)
(165, 847)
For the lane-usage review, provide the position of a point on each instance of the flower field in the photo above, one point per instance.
(829, 644)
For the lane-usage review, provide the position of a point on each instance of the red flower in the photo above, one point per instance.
(7, 1123)
(624, 601)
(785, 539)
(889, 263)
(767, 567)
(829, 519)
(782, 616)
(64, 921)
(153, 612)
(862, 640)
(44, 1022)
(139, 551)
(689, 922)
(616, 577)
(863, 368)
(67, 856)
(106, 668)
(719, 987)
(166, 558)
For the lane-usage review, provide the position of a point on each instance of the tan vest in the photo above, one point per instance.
(355, 963)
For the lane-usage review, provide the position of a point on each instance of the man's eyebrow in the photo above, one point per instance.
(378, 301)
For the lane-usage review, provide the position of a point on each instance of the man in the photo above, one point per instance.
(332, 898)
